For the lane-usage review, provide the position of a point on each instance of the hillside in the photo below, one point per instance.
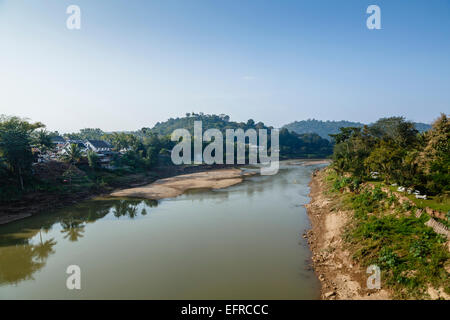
(209, 121)
(325, 128)
(292, 145)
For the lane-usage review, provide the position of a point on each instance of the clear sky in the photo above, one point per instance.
(134, 63)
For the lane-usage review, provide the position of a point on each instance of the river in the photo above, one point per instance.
(242, 242)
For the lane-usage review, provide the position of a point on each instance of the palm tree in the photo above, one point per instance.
(73, 153)
(43, 140)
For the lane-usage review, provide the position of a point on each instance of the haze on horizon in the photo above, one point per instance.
(134, 64)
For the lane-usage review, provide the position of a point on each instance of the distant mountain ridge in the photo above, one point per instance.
(325, 128)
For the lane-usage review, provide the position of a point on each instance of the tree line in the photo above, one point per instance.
(396, 150)
(21, 141)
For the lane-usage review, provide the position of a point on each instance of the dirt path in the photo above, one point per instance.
(175, 186)
(340, 277)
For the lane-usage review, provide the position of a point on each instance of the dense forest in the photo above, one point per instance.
(327, 128)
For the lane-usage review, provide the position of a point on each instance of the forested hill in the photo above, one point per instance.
(209, 121)
(308, 145)
(325, 128)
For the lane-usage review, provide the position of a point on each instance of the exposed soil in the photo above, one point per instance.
(340, 277)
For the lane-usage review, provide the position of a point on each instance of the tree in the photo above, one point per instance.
(92, 159)
(387, 159)
(73, 154)
(435, 157)
(344, 134)
(43, 140)
(397, 129)
(349, 153)
(152, 155)
(15, 145)
(396, 149)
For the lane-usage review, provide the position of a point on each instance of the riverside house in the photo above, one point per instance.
(98, 146)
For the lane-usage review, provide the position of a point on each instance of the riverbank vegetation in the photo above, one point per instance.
(389, 229)
(386, 232)
(30, 160)
(398, 154)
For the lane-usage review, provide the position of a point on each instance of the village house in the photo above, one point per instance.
(79, 143)
(98, 146)
(59, 142)
(103, 150)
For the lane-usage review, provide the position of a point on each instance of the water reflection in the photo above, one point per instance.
(23, 261)
(241, 242)
(23, 249)
(131, 208)
(72, 229)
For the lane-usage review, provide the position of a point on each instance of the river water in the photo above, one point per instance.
(242, 242)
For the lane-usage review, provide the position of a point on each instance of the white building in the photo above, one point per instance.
(98, 146)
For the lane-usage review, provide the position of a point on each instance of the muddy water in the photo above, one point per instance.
(242, 242)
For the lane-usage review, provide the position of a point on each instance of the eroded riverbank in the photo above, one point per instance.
(340, 277)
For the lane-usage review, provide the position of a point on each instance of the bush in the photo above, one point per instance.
(388, 258)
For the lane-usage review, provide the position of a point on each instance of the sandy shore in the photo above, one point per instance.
(314, 162)
(175, 186)
(340, 277)
(40, 202)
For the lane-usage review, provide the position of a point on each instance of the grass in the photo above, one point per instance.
(438, 203)
(388, 234)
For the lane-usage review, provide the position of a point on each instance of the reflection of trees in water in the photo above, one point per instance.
(123, 208)
(150, 203)
(73, 229)
(20, 258)
(44, 248)
(220, 195)
(19, 262)
(130, 208)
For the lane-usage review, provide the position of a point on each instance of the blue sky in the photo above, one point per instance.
(134, 63)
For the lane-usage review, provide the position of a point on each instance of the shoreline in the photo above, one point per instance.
(340, 277)
(215, 178)
(37, 202)
(175, 186)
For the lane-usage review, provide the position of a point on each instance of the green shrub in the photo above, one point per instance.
(388, 258)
